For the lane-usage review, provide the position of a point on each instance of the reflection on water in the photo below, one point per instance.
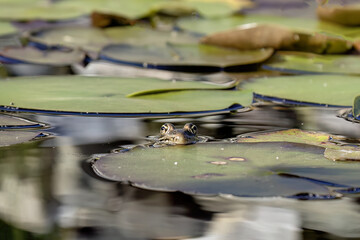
(48, 191)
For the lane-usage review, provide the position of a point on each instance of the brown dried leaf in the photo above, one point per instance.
(256, 36)
(346, 15)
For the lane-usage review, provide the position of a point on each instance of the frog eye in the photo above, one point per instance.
(166, 128)
(190, 127)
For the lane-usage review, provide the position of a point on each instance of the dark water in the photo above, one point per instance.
(48, 190)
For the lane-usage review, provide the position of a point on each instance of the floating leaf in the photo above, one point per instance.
(37, 9)
(8, 138)
(7, 28)
(74, 94)
(11, 122)
(270, 169)
(189, 57)
(323, 89)
(94, 39)
(296, 62)
(45, 57)
(347, 15)
(259, 36)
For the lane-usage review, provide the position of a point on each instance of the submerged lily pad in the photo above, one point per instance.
(189, 57)
(45, 57)
(8, 138)
(85, 95)
(336, 90)
(296, 62)
(267, 169)
(333, 151)
(11, 122)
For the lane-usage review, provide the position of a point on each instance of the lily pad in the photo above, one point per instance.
(7, 28)
(318, 89)
(189, 57)
(296, 62)
(94, 39)
(267, 169)
(36, 56)
(97, 95)
(37, 9)
(8, 138)
(257, 36)
(11, 122)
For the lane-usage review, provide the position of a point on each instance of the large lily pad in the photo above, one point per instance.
(322, 89)
(94, 39)
(8, 138)
(6, 28)
(70, 94)
(45, 57)
(296, 62)
(189, 57)
(11, 122)
(241, 169)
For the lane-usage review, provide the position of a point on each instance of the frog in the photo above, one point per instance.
(171, 136)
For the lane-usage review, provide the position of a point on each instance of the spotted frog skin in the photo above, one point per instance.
(172, 136)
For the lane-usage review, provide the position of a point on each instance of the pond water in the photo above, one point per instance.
(49, 191)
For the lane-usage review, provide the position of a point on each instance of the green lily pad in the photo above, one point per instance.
(7, 28)
(11, 122)
(338, 90)
(69, 94)
(135, 9)
(8, 138)
(94, 39)
(296, 62)
(209, 26)
(188, 57)
(241, 169)
(37, 9)
(46, 57)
